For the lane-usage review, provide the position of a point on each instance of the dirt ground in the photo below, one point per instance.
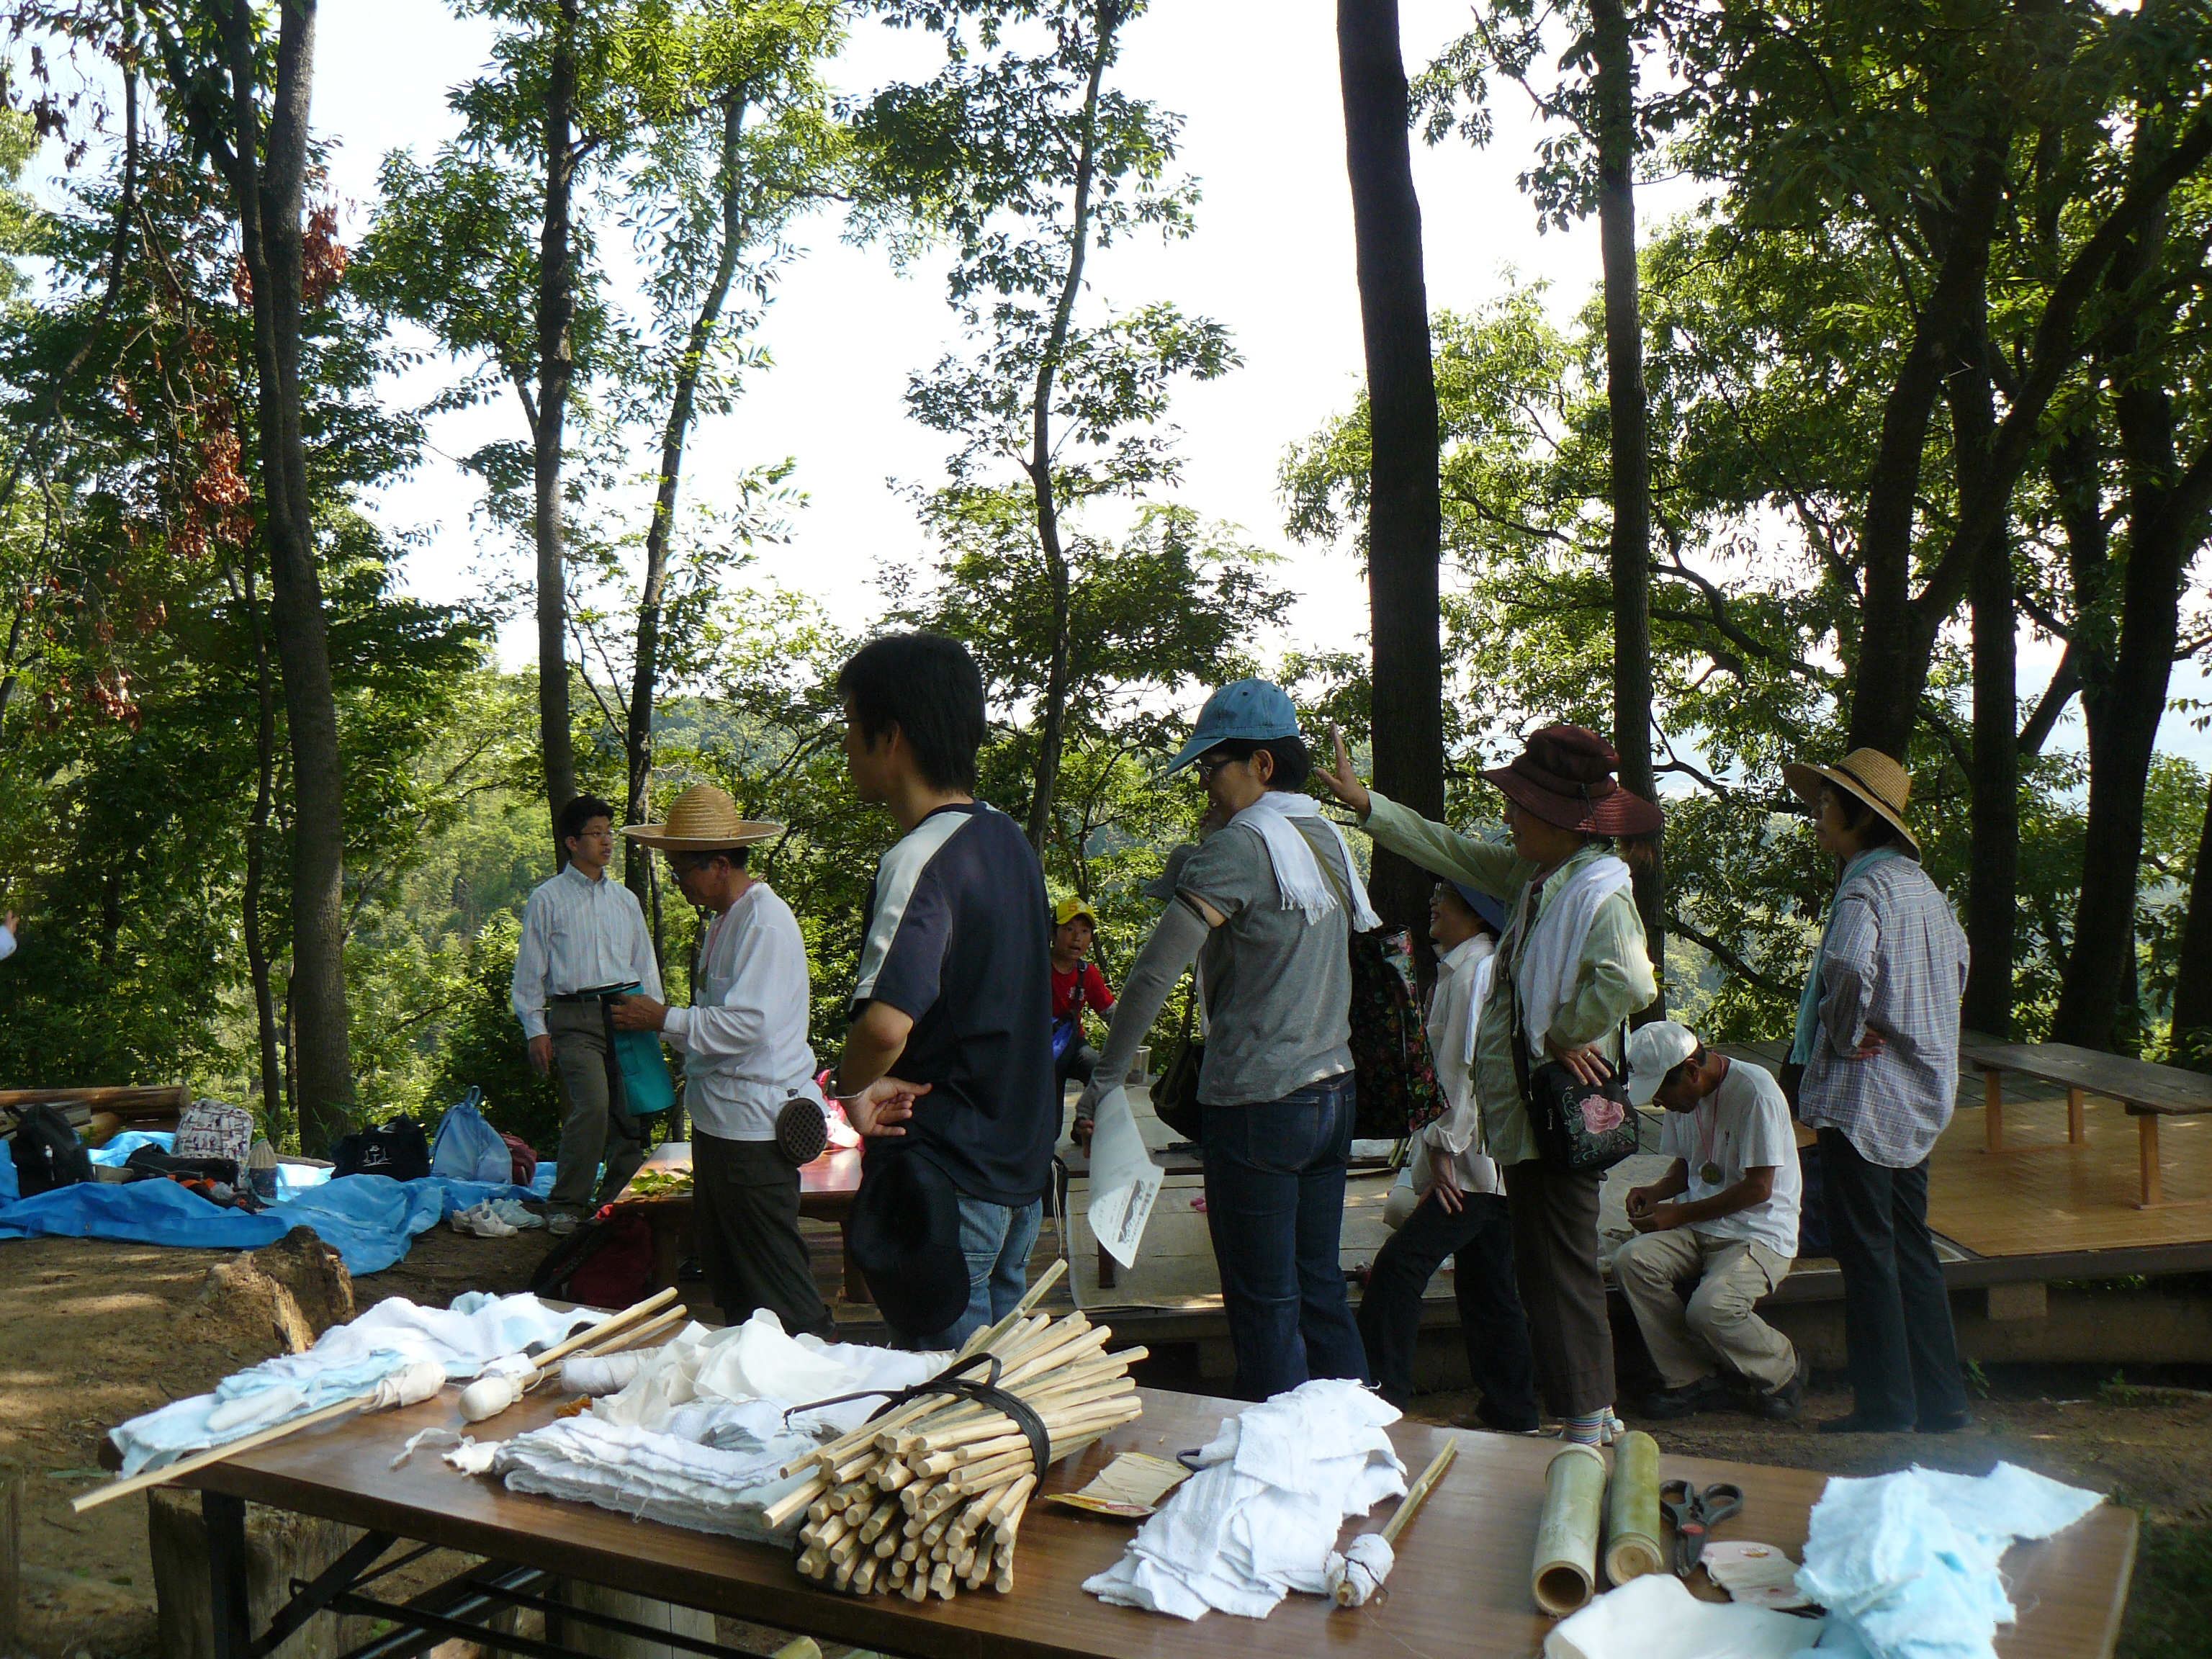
(93, 1331)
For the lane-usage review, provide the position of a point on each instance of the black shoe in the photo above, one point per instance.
(1856, 1424)
(1688, 1400)
(1485, 1416)
(1948, 1422)
(1780, 1405)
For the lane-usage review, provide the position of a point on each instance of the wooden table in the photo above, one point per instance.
(825, 1194)
(1461, 1587)
(2147, 1090)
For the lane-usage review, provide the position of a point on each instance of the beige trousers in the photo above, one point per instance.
(1732, 1275)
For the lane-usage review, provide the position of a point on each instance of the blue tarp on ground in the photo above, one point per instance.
(370, 1220)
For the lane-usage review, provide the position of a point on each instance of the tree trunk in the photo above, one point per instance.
(2191, 1041)
(1894, 641)
(556, 315)
(1405, 516)
(1628, 415)
(271, 199)
(637, 861)
(257, 851)
(1052, 714)
(1993, 868)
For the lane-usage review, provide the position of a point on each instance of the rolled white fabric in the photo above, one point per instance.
(594, 1374)
(254, 1410)
(489, 1395)
(1355, 1576)
(409, 1386)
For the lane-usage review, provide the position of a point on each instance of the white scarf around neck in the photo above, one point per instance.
(1544, 977)
(1299, 878)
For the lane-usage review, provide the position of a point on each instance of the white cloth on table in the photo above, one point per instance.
(1260, 1516)
(1656, 1616)
(757, 1360)
(597, 1374)
(347, 1361)
(1906, 1564)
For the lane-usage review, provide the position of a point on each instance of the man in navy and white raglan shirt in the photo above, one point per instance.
(949, 1057)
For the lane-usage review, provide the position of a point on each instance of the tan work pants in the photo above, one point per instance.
(1732, 1275)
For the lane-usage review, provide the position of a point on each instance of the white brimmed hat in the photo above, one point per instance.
(1654, 1050)
(702, 819)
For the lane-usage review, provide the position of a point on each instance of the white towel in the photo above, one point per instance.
(1552, 959)
(1299, 878)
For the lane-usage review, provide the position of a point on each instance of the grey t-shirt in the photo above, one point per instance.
(1278, 987)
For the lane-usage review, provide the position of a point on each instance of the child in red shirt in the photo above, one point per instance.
(1076, 985)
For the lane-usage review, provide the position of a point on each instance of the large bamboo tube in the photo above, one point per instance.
(1632, 1510)
(1565, 1567)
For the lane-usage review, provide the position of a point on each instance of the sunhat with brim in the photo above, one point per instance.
(1654, 1050)
(1563, 776)
(1070, 908)
(1250, 711)
(1871, 775)
(702, 819)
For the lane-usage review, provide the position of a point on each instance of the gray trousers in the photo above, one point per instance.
(583, 1065)
(1718, 1321)
(745, 1209)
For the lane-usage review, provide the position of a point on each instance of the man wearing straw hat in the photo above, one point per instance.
(756, 1109)
(1877, 1037)
(583, 936)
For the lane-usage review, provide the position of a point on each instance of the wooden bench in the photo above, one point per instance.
(825, 1194)
(2149, 1090)
(138, 1106)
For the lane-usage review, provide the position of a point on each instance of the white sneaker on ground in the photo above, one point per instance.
(510, 1211)
(479, 1221)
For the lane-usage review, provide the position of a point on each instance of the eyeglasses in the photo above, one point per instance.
(1207, 765)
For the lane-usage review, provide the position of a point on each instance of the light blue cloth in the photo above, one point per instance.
(371, 1220)
(117, 1153)
(1906, 1564)
(1808, 1004)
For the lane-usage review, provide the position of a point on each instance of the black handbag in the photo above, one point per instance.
(1584, 1129)
(1175, 1091)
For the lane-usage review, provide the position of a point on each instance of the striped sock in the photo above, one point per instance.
(1586, 1428)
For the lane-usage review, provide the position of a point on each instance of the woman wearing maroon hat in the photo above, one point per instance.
(1574, 956)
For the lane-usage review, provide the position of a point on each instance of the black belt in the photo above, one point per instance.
(597, 993)
(953, 1382)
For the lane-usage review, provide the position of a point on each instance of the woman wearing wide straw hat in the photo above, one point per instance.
(756, 1109)
(1574, 959)
(1877, 1037)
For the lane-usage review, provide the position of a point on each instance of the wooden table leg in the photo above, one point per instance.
(856, 1282)
(667, 1245)
(2077, 1133)
(2147, 1151)
(1105, 1269)
(1993, 1110)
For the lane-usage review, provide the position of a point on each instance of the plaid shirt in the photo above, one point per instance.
(1896, 966)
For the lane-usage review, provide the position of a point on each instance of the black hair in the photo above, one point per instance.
(1695, 1061)
(1872, 829)
(577, 813)
(928, 687)
(1294, 765)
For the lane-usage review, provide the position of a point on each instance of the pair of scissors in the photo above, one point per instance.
(1694, 1514)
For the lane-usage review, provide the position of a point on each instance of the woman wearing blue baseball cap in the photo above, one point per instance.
(1266, 906)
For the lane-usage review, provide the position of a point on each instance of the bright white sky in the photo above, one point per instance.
(1256, 83)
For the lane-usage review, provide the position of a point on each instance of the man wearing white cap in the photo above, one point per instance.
(1725, 1212)
(756, 1109)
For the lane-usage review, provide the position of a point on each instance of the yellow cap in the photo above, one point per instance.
(1068, 908)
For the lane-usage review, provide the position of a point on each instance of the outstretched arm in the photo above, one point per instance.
(1170, 950)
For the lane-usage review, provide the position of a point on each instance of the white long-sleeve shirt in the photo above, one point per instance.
(745, 1044)
(1462, 986)
(579, 933)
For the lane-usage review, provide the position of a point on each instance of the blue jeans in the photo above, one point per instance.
(1275, 1206)
(997, 1241)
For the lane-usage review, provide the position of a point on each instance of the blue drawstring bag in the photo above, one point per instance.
(467, 1148)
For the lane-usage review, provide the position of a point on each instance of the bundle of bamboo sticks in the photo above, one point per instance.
(928, 1499)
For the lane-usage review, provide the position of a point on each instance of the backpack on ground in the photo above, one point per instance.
(605, 1266)
(48, 1153)
(396, 1147)
(466, 1148)
(208, 1128)
(522, 1159)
